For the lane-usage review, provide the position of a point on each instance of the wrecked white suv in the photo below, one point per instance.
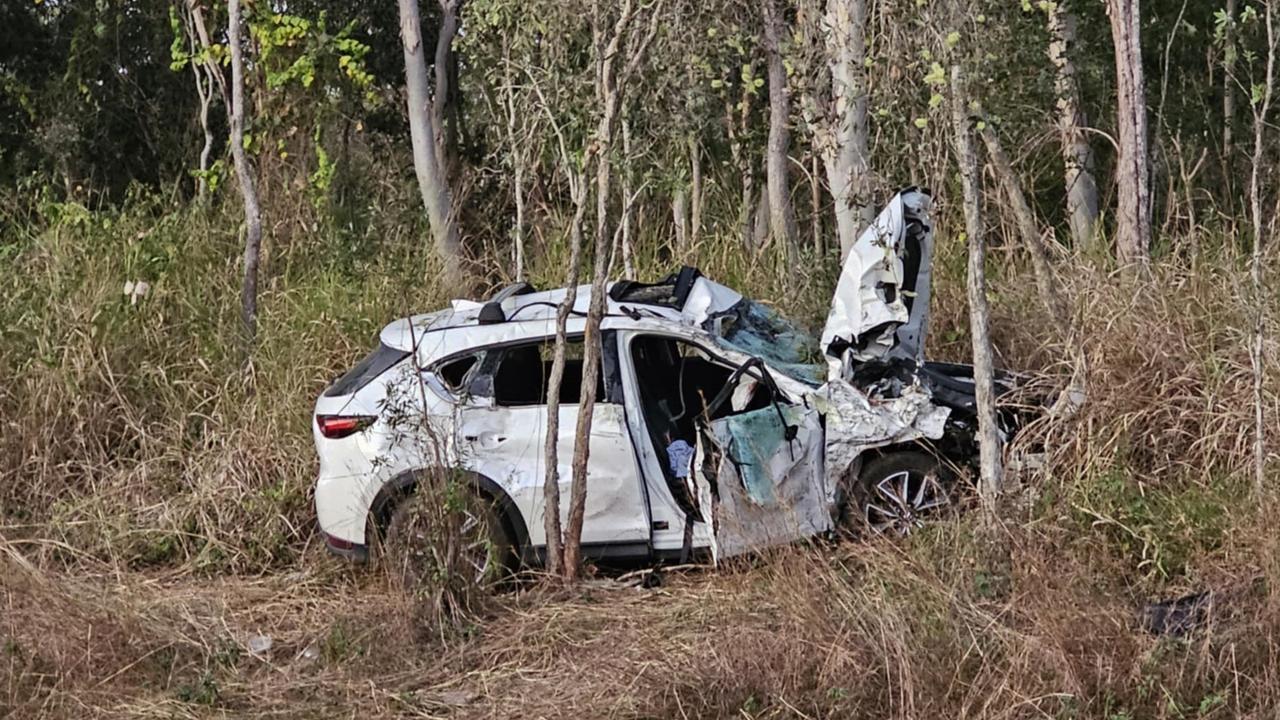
(720, 428)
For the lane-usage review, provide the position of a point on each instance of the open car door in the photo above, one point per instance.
(758, 474)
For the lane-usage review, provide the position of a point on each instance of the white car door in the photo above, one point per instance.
(502, 434)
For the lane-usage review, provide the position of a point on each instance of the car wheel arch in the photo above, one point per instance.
(405, 484)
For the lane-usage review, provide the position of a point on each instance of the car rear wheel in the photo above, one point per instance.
(897, 492)
(477, 550)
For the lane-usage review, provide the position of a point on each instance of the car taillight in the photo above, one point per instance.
(340, 426)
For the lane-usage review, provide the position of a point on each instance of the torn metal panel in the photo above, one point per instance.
(882, 298)
(759, 479)
(856, 423)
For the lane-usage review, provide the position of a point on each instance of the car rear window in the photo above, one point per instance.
(373, 365)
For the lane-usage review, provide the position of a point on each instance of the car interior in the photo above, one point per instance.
(679, 382)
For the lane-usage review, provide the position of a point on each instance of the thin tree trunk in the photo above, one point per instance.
(248, 192)
(815, 206)
(782, 220)
(847, 161)
(695, 190)
(428, 164)
(736, 128)
(628, 264)
(610, 87)
(446, 137)
(517, 165)
(1077, 154)
(555, 559)
(1260, 111)
(680, 217)
(990, 474)
(763, 219)
(1229, 53)
(1133, 215)
(1025, 220)
(204, 94)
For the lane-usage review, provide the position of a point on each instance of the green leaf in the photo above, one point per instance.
(921, 123)
(936, 75)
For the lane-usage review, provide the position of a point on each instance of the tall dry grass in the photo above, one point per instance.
(154, 512)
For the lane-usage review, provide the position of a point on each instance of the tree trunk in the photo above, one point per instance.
(1077, 153)
(1133, 214)
(1261, 108)
(763, 219)
(782, 220)
(1026, 223)
(628, 263)
(990, 475)
(610, 87)
(846, 159)
(517, 166)
(815, 206)
(736, 123)
(204, 94)
(555, 556)
(248, 192)
(680, 217)
(695, 190)
(443, 98)
(1229, 53)
(427, 161)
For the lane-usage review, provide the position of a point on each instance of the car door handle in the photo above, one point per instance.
(487, 440)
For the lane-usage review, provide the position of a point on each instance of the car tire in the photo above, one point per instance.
(896, 492)
(486, 553)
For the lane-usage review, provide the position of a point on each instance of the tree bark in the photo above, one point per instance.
(428, 164)
(680, 217)
(443, 96)
(610, 87)
(517, 166)
(555, 555)
(1261, 107)
(695, 190)
(248, 191)
(815, 206)
(1133, 214)
(736, 124)
(991, 480)
(846, 156)
(1077, 153)
(1229, 53)
(628, 264)
(782, 220)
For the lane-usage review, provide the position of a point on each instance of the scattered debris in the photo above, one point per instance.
(260, 644)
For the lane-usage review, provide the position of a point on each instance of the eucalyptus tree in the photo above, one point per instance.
(1077, 152)
(426, 114)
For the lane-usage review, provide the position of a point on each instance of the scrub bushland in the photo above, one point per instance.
(154, 511)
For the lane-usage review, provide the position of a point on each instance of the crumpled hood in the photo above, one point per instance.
(881, 303)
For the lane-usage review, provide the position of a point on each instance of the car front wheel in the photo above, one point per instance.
(895, 493)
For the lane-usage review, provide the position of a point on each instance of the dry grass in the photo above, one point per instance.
(154, 517)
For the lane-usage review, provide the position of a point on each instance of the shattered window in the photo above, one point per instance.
(523, 372)
(454, 373)
(761, 331)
